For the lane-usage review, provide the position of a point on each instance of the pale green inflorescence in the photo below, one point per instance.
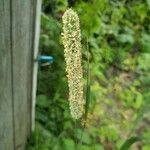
(72, 44)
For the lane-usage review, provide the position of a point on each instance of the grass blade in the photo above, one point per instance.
(127, 144)
(87, 84)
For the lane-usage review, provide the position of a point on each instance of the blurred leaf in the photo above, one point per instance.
(146, 147)
(125, 38)
(144, 61)
(127, 144)
(145, 42)
(148, 2)
(83, 136)
(97, 147)
(69, 144)
(84, 147)
(42, 101)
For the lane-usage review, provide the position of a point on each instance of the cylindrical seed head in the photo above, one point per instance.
(72, 52)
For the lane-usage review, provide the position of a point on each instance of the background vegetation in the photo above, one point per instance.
(118, 35)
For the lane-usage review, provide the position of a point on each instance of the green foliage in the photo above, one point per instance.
(129, 142)
(118, 35)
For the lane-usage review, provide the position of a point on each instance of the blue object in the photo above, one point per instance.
(45, 58)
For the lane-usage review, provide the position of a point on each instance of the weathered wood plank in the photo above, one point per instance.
(35, 54)
(32, 21)
(6, 112)
(22, 62)
(19, 37)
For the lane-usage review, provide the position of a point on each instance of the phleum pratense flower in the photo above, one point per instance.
(72, 51)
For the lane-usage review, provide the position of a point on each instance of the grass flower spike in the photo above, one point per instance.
(72, 44)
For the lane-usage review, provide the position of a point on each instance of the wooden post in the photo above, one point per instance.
(6, 101)
(19, 37)
(35, 63)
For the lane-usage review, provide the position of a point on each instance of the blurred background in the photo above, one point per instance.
(118, 33)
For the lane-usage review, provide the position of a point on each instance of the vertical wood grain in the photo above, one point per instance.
(19, 37)
(22, 62)
(35, 54)
(6, 113)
